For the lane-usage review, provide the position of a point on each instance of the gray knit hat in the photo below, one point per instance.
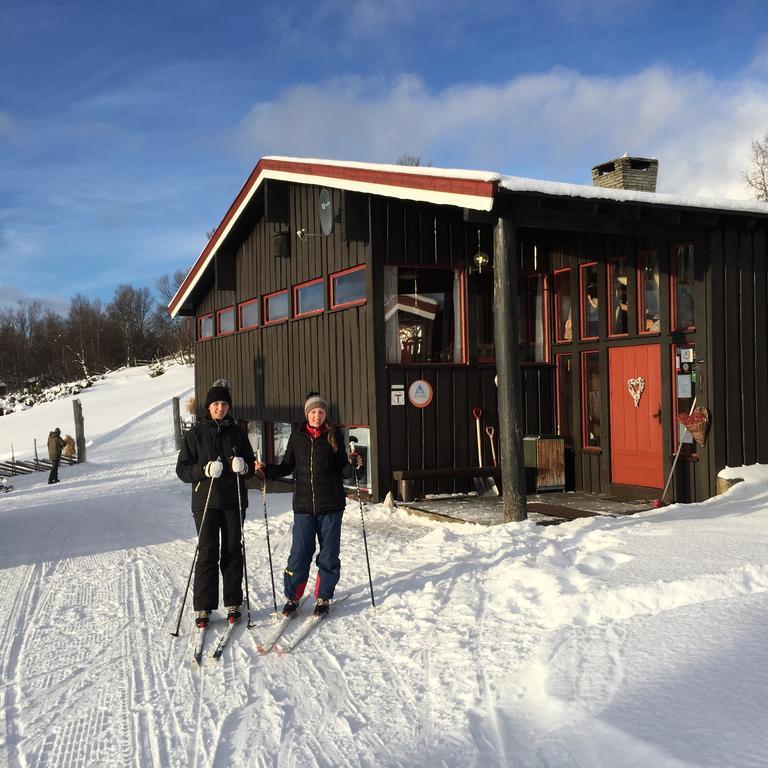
(315, 400)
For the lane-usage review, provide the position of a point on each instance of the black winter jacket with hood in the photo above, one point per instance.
(318, 472)
(206, 441)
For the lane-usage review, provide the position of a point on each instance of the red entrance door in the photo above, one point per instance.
(636, 444)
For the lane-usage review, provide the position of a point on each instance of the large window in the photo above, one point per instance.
(590, 399)
(422, 314)
(348, 288)
(618, 317)
(590, 303)
(309, 298)
(363, 447)
(648, 291)
(565, 397)
(563, 309)
(683, 315)
(204, 327)
(480, 320)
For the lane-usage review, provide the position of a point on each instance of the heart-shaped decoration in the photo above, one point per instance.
(636, 387)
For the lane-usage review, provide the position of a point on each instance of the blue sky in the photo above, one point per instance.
(126, 129)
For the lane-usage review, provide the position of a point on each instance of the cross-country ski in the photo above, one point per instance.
(308, 625)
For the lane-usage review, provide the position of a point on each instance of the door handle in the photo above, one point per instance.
(657, 415)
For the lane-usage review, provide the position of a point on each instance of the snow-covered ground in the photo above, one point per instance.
(636, 641)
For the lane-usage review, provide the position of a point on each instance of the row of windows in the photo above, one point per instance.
(347, 289)
(683, 389)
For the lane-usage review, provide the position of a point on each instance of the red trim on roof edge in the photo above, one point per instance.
(437, 184)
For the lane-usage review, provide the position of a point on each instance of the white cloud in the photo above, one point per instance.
(552, 125)
(10, 297)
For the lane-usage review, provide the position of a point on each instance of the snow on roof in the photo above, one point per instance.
(588, 191)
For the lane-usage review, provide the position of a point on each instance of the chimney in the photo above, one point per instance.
(637, 173)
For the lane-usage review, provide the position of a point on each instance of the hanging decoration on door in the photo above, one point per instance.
(636, 387)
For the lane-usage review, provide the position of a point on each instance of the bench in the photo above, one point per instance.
(406, 477)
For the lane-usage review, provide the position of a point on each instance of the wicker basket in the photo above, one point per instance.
(697, 423)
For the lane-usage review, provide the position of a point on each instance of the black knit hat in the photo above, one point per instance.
(217, 393)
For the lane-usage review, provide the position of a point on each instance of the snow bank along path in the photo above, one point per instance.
(604, 642)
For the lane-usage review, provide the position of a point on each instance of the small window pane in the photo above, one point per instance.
(683, 280)
(227, 320)
(480, 291)
(280, 434)
(206, 327)
(255, 438)
(565, 397)
(249, 314)
(563, 329)
(349, 287)
(278, 307)
(533, 343)
(590, 306)
(617, 276)
(590, 362)
(310, 298)
(649, 292)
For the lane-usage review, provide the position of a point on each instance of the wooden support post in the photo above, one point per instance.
(506, 336)
(176, 423)
(79, 431)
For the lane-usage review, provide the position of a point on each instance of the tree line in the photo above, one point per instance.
(133, 328)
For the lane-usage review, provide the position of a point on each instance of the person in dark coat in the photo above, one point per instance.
(215, 457)
(55, 446)
(313, 453)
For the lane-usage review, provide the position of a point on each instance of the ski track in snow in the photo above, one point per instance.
(502, 646)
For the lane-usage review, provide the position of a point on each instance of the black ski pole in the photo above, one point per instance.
(242, 544)
(266, 526)
(194, 559)
(352, 441)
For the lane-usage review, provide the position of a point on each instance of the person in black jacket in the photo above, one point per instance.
(319, 463)
(215, 457)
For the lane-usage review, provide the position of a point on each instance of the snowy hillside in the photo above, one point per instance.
(608, 642)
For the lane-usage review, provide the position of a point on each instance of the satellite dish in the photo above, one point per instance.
(326, 212)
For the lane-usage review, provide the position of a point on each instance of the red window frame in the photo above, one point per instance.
(582, 299)
(242, 326)
(219, 313)
(584, 404)
(558, 397)
(556, 301)
(265, 321)
(673, 287)
(296, 289)
(642, 258)
(612, 333)
(200, 320)
(332, 285)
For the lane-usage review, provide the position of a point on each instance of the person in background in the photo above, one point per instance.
(216, 456)
(320, 463)
(55, 446)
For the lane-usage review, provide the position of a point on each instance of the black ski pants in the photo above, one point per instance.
(221, 530)
(53, 475)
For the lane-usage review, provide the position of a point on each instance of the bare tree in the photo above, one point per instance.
(408, 159)
(756, 176)
(131, 308)
(178, 332)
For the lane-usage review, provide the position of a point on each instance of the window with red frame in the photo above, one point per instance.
(618, 293)
(225, 321)
(277, 307)
(648, 292)
(684, 389)
(563, 309)
(348, 288)
(564, 364)
(532, 318)
(480, 316)
(683, 309)
(204, 327)
(590, 399)
(249, 314)
(590, 303)
(309, 298)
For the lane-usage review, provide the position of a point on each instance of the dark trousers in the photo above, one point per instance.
(222, 526)
(306, 528)
(53, 475)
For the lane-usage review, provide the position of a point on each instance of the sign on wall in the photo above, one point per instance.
(397, 394)
(420, 393)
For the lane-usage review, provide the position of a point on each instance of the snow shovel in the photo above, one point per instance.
(490, 431)
(485, 486)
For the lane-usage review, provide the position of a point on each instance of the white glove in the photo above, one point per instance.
(239, 467)
(213, 468)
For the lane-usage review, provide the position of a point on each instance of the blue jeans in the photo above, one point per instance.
(327, 529)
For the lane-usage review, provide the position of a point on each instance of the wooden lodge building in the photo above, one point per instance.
(373, 284)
